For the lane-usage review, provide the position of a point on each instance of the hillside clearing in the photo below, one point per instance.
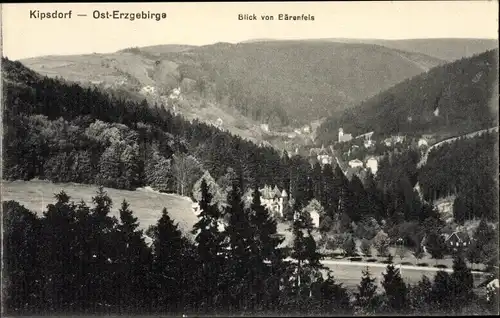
(146, 204)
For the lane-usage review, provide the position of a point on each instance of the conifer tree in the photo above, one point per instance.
(329, 196)
(241, 243)
(265, 248)
(365, 295)
(210, 246)
(462, 282)
(395, 288)
(168, 247)
(334, 297)
(440, 293)
(133, 261)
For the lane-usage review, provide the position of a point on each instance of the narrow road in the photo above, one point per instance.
(423, 161)
(327, 262)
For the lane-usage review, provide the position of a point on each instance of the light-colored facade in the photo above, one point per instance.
(344, 137)
(372, 164)
(355, 163)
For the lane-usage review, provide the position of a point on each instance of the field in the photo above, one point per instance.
(146, 204)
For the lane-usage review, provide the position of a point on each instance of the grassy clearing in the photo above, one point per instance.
(147, 205)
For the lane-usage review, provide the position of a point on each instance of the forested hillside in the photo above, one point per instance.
(278, 82)
(468, 169)
(455, 98)
(65, 133)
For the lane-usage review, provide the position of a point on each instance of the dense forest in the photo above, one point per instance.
(468, 169)
(457, 97)
(76, 259)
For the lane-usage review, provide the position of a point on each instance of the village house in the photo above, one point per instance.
(355, 163)
(306, 129)
(344, 137)
(218, 123)
(368, 143)
(264, 127)
(314, 216)
(148, 90)
(458, 240)
(175, 94)
(372, 164)
(323, 157)
(272, 199)
(422, 142)
(366, 136)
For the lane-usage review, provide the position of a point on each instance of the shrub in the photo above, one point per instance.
(366, 247)
(406, 263)
(355, 259)
(371, 260)
(422, 264)
(440, 266)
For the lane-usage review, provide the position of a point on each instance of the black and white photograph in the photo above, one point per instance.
(202, 159)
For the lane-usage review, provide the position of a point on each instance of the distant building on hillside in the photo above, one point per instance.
(175, 94)
(368, 143)
(372, 164)
(306, 129)
(148, 90)
(355, 163)
(344, 137)
(323, 157)
(218, 123)
(264, 127)
(272, 199)
(366, 136)
(422, 142)
(315, 218)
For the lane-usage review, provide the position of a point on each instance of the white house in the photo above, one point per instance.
(355, 163)
(344, 137)
(264, 127)
(148, 90)
(372, 164)
(323, 157)
(368, 143)
(218, 122)
(315, 218)
(306, 129)
(175, 94)
(272, 199)
(422, 143)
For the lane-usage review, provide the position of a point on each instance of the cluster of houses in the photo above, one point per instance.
(370, 163)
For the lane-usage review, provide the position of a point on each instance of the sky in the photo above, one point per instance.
(207, 23)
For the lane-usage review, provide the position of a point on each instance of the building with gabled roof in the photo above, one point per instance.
(458, 240)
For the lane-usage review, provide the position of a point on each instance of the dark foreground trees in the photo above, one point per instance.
(80, 259)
